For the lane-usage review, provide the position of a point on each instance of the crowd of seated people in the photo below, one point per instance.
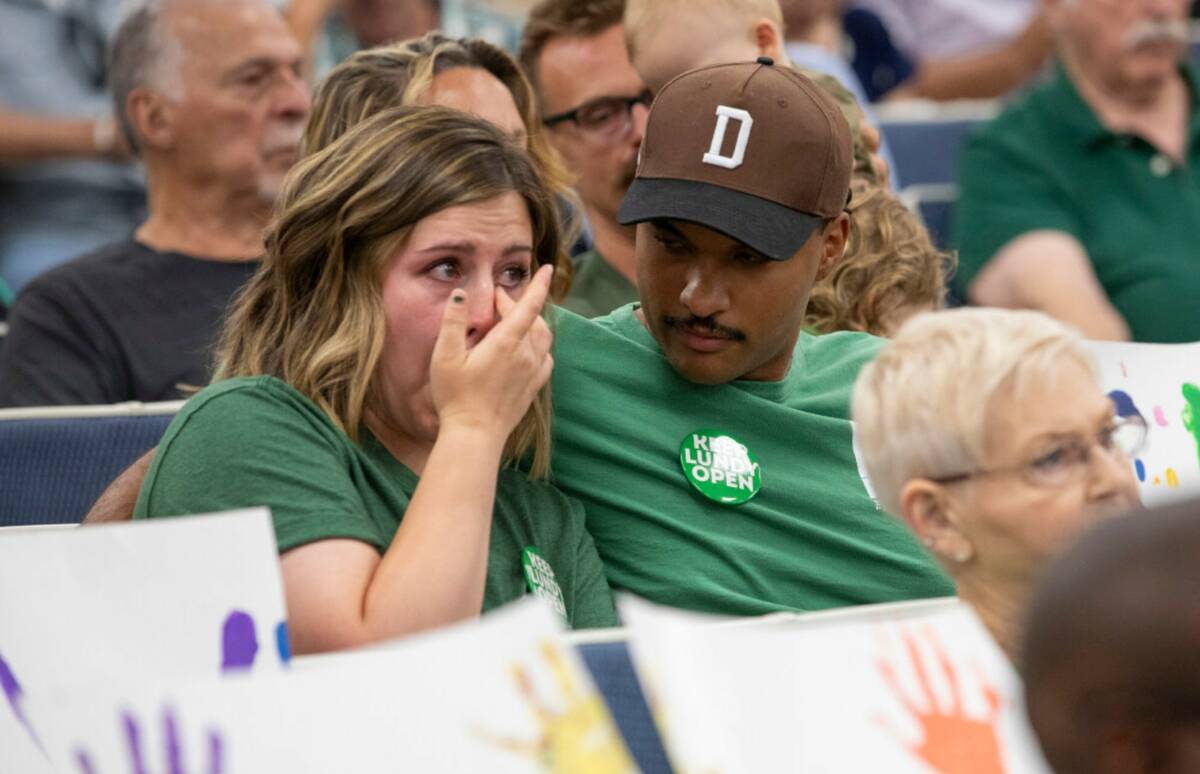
(741, 395)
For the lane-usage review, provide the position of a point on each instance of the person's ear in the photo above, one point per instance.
(152, 117)
(836, 235)
(768, 38)
(933, 516)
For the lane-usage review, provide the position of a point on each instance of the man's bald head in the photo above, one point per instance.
(1111, 681)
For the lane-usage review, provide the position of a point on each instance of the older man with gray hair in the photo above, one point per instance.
(211, 94)
(1081, 200)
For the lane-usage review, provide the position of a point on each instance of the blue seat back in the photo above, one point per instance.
(927, 151)
(53, 469)
(614, 675)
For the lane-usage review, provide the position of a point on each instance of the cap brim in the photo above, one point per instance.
(776, 231)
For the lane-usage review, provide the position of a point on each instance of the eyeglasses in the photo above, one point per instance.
(603, 116)
(1069, 460)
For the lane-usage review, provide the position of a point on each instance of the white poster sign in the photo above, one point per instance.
(920, 689)
(135, 602)
(1162, 383)
(502, 694)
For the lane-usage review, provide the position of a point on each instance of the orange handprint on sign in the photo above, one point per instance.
(953, 742)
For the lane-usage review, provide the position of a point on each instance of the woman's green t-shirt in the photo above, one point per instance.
(255, 441)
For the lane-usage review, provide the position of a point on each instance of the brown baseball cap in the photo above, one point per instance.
(753, 150)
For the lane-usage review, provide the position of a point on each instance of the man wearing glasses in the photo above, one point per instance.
(594, 105)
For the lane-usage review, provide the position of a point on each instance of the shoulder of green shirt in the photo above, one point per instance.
(597, 288)
(841, 354)
(250, 393)
(1008, 182)
(239, 408)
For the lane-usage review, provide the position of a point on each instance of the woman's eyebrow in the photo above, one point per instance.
(470, 247)
(455, 247)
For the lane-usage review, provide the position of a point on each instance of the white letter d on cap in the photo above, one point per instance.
(744, 120)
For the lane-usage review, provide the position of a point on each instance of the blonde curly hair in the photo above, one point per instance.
(890, 269)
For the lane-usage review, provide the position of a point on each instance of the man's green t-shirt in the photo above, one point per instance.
(810, 539)
(597, 288)
(6, 296)
(257, 441)
(1048, 163)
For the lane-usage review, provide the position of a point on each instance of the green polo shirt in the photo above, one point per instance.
(597, 288)
(6, 296)
(1048, 163)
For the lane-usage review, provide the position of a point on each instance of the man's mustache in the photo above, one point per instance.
(283, 139)
(1156, 31)
(707, 325)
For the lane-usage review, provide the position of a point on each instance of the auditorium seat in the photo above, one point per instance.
(612, 670)
(927, 138)
(935, 203)
(55, 462)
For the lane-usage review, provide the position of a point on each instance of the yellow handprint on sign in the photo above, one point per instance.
(580, 739)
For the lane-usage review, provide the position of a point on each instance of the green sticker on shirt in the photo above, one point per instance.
(721, 467)
(540, 580)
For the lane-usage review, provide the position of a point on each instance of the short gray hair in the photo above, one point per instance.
(135, 57)
(920, 408)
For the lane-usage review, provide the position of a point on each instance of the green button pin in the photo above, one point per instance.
(540, 580)
(721, 467)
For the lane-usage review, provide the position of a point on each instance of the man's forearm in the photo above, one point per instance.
(990, 74)
(40, 138)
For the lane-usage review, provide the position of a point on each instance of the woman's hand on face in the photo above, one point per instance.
(490, 386)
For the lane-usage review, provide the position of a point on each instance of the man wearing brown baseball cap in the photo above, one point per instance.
(706, 433)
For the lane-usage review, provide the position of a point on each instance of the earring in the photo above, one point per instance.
(963, 555)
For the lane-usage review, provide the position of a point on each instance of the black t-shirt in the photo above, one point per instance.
(123, 323)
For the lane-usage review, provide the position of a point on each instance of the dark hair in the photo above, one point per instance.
(1112, 633)
(551, 19)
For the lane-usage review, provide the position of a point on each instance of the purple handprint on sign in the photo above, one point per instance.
(239, 643)
(174, 751)
(13, 694)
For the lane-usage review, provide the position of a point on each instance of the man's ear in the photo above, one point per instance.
(769, 39)
(933, 517)
(836, 235)
(152, 117)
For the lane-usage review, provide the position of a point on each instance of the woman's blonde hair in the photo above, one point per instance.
(890, 263)
(400, 73)
(920, 408)
(313, 313)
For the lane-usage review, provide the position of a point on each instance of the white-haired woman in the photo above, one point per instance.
(987, 432)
